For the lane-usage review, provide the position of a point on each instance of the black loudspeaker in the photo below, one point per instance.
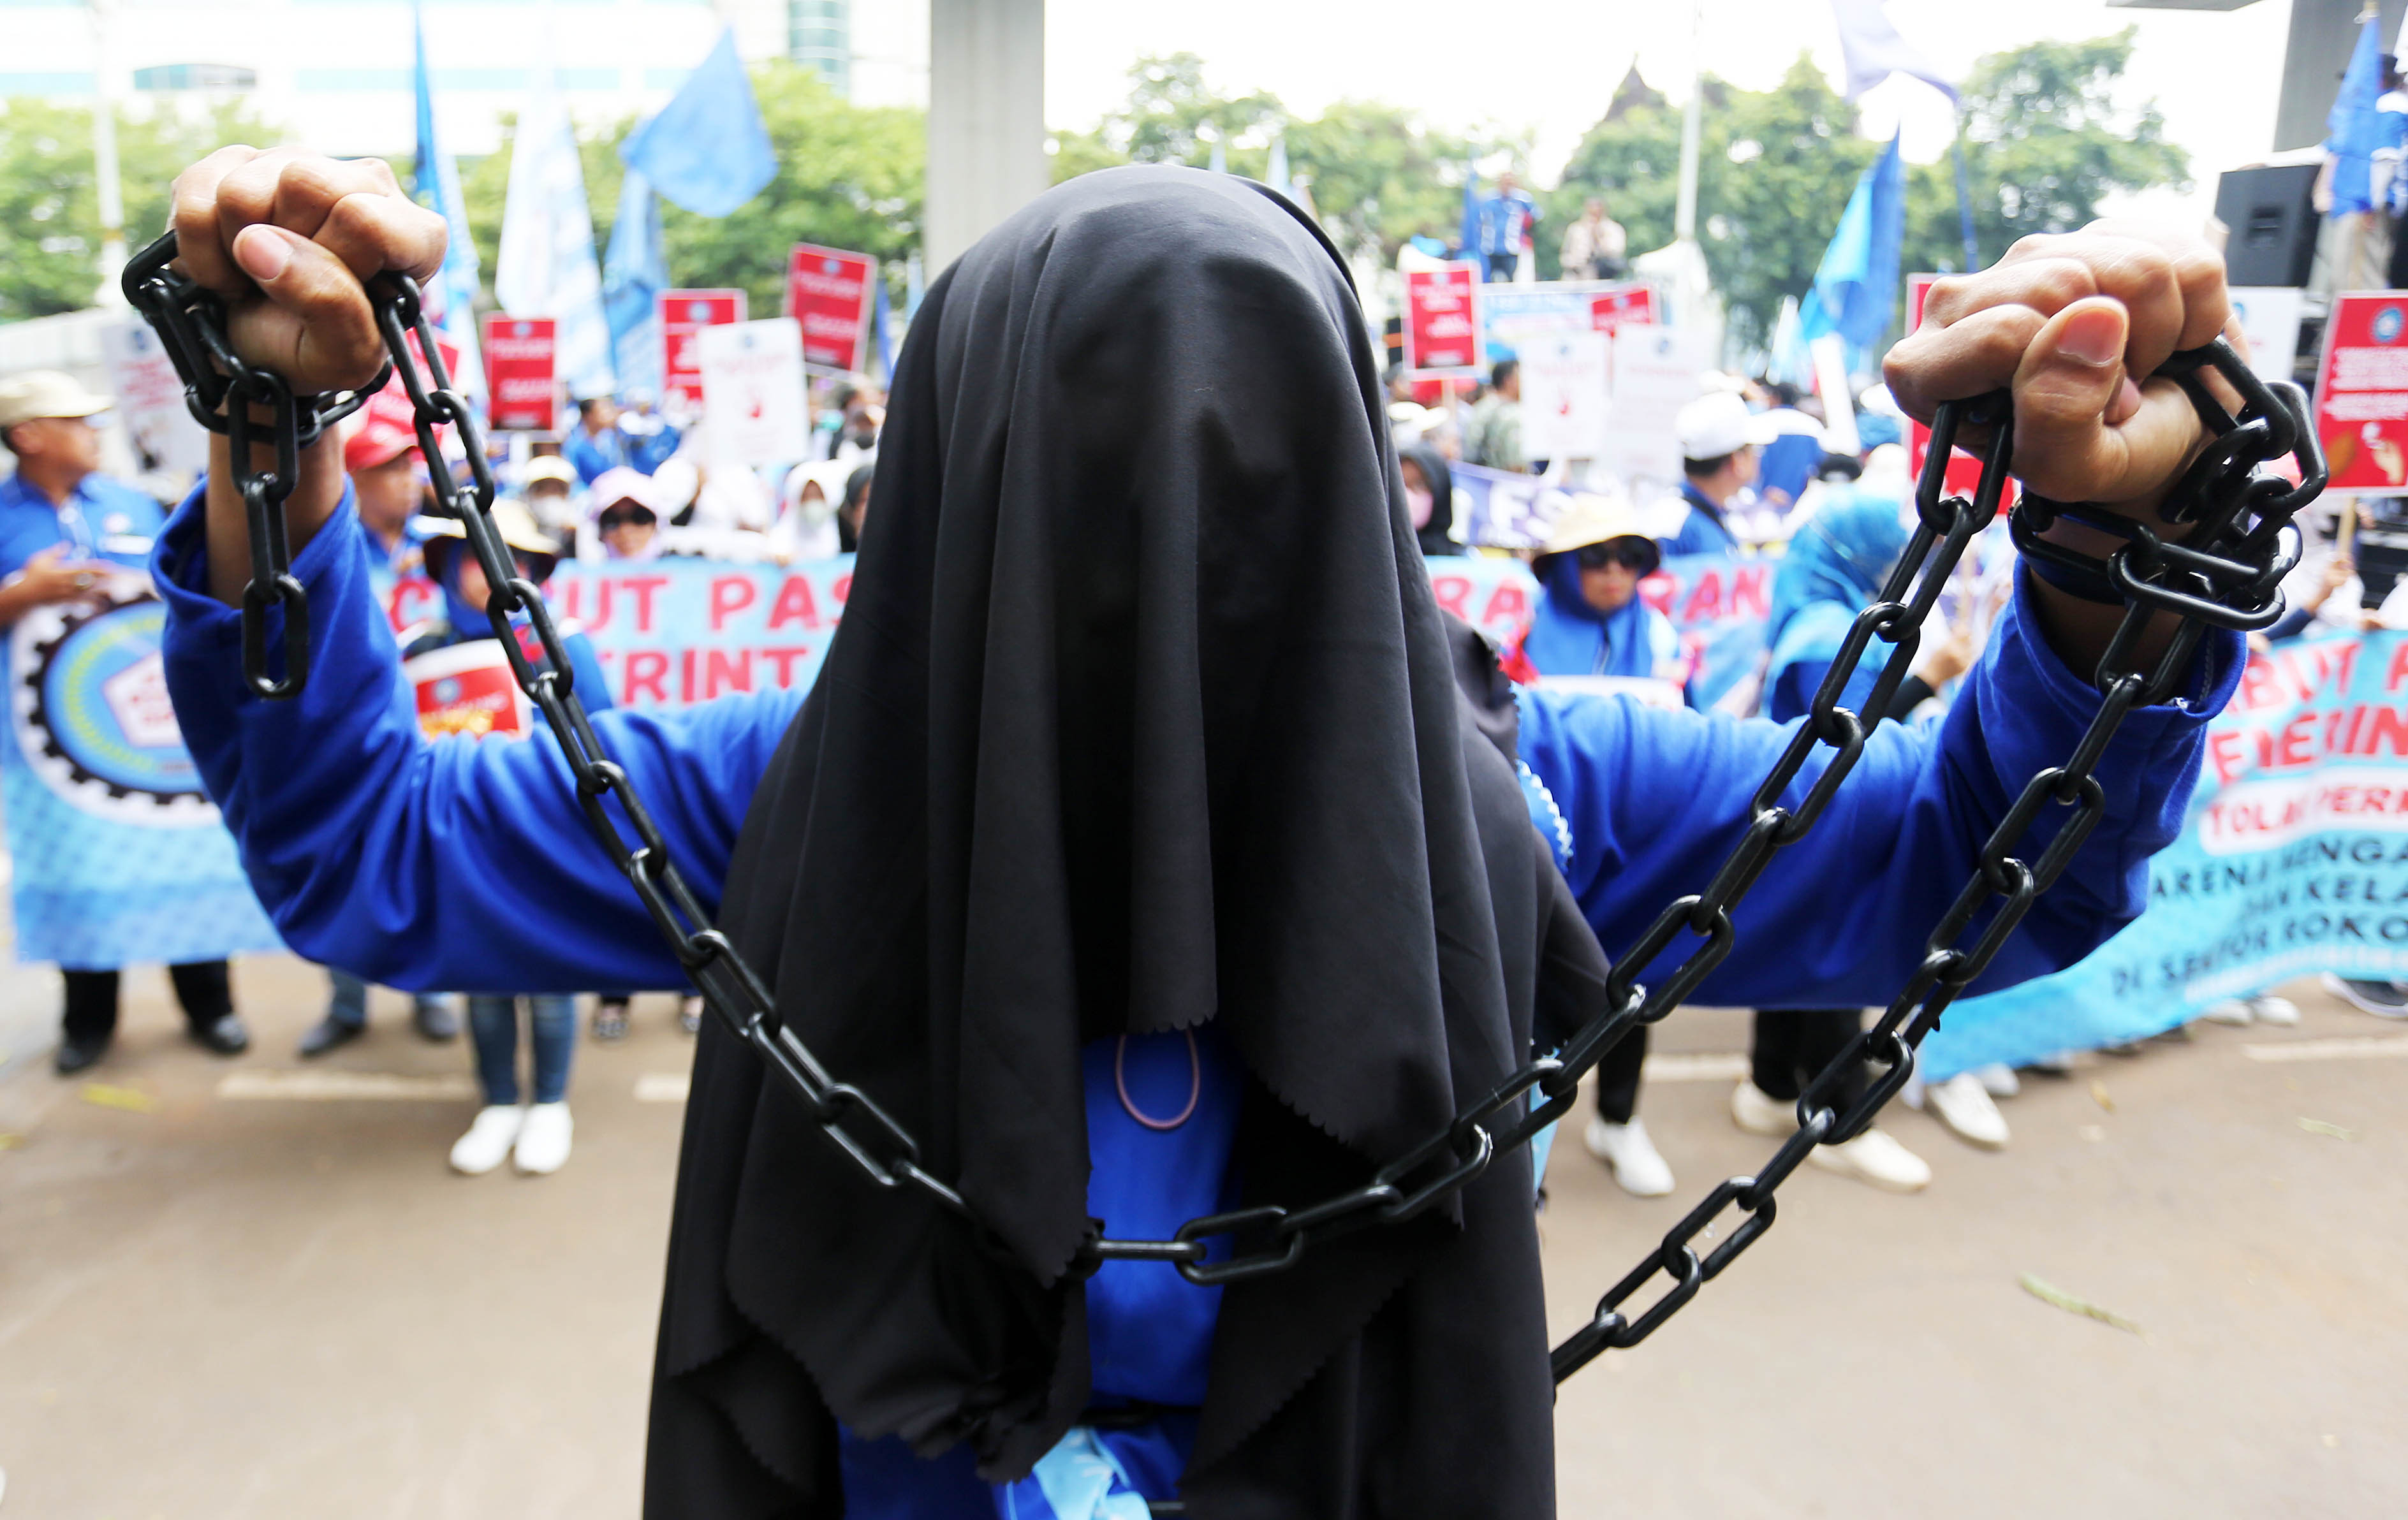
(2273, 227)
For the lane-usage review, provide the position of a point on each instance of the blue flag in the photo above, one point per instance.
(1859, 276)
(452, 296)
(635, 271)
(2358, 126)
(707, 149)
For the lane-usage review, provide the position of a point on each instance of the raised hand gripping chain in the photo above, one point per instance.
(2225, 574)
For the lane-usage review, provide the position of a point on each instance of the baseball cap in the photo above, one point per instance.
(614, 486)
(46, 393)
(377, 441)
(1715, 425)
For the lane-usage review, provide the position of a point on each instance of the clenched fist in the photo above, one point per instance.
(287, 238)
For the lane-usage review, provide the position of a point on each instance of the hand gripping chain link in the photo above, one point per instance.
(2224, 574)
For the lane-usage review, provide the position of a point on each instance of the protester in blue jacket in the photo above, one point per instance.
(1139, 848)
(535, 1135)
(1719, 439)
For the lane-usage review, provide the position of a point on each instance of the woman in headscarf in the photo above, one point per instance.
(1147, 843)
(1429, 499)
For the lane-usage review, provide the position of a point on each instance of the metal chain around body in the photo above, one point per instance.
(2224, 573)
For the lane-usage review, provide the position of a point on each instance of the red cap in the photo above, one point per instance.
(378, 440)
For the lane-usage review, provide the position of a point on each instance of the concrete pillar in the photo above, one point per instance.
(986, 118)
(2322, 33)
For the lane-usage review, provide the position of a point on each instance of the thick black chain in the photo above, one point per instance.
(2224, 574)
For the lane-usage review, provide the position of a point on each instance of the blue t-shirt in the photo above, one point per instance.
(101, 519)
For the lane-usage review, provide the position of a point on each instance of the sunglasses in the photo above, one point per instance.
(615, 520)
(1598, 556)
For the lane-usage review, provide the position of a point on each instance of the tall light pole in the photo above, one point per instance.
(986, 118)
(104, 156)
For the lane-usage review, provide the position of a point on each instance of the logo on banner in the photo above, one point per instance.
(2386, 324)
(93, 717)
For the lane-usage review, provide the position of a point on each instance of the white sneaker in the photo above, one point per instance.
(1963, 1104)
(543, 1141)
(1875, 1157)
(488, 1140)
(1759, 1112)
(1999, 1079)
(2233, 1012)
(2280, 1011)
(1630, 1155)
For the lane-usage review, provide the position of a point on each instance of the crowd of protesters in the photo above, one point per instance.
(622, 482)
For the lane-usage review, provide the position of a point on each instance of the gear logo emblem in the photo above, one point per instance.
(88, 694)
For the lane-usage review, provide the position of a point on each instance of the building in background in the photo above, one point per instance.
(336, 74)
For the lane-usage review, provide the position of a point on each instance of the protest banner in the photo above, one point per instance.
(2362, 393)
(150, 400)
(1564, 396)
(520, 393)
(1656, 373)
(671, 632)
(829, 292)
(468, 688)
(1514, 316)
(118, 857)
(1441, 322)
(1718, 604)
(2270, 316)
(753, 381)
(684, 313)
(1964, 470)
(2293, 860)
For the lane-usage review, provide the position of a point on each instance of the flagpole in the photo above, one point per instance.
(1965, 200)
(1685, 212)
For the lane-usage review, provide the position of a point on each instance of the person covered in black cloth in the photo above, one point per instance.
(1148, 844)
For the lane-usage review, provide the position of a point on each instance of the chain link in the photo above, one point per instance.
(2225, 575)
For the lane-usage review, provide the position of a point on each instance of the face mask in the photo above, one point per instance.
(1419, 501)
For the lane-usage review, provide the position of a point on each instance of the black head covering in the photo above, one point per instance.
(1435, 535)
(1141, 715)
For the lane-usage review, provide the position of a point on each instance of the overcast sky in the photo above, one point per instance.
(1550, 65)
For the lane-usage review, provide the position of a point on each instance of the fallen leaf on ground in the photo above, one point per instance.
(2099, 1095)
(2057, 1297)
(100, 1094)
(2317, 1127)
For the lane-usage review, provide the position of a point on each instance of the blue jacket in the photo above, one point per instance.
(353, 827)
(1702, 531)
(101, 519)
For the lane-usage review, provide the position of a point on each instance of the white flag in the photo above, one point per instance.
(1874, 50)
(546, 267)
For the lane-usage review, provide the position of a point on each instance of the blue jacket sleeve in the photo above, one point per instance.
(1657, 799)
(460, 865)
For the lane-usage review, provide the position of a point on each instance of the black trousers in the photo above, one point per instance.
(203, 987)
(1793, 1045)
(1617, 1077)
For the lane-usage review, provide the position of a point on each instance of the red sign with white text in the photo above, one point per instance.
(1632, 307)
(2362, 392)
(1441, 322)
(684, 313)
(829, 292)
(519, 387)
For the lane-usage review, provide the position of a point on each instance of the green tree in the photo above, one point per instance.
(49, 201)
(1378, 173)
(848, 177)
(2045, 144)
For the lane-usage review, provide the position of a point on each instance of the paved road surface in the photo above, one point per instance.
(272, 1307)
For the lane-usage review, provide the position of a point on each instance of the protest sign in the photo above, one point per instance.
(1492, 592)
(150, 400)
(1656, 373)
(671, 632)
(684, 313)
(1564, 399)
(2362, 393)
(829, 292)
(752, 382)
(468, 688)
(519, 390)
(118, 857)
(1515, 316)
(1718, 604)
(1442, 322)
(2269, 316)
(2294, 859)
